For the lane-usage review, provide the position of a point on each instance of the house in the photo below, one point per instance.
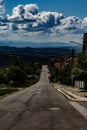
(69, 59)
(58, 62)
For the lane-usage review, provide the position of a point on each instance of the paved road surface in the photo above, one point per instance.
(39, 107)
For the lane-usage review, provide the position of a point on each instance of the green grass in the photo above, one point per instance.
(5, 91)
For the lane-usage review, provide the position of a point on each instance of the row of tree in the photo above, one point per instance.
(60, 75)
(18, 74)
(78, 71)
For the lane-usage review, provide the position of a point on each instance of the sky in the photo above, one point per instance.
(37, 21)
(68, 7)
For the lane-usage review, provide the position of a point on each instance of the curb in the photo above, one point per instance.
(70, 95)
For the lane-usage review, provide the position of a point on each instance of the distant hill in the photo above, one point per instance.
(2, 44)
(44, 51)
(27, 54)
(37, 45)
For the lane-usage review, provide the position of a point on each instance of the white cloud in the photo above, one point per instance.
(18, 13)
(84, 23)
(49, 19)
(2, 8)
(28, 24)
(31, 8)
(71, 22)
(30, 12)
(22, 12)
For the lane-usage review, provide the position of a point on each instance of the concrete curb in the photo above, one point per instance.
(70, 95)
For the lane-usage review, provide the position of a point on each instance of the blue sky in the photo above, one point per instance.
(37, 21)
(67, 7)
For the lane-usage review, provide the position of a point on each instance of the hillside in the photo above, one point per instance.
(7, 54)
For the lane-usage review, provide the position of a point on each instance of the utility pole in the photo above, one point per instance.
(73, 56)
(85, 44)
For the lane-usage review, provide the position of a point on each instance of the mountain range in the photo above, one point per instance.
(55, 49)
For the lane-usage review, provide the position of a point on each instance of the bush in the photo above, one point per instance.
(79, 70)
(3, 85)
(60, 75)
(19, 75)
(3, 77)
(16, 75)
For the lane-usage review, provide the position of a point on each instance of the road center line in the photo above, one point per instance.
(79, 108)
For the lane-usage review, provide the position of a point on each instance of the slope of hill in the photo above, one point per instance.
(26, 54)
(48, 52)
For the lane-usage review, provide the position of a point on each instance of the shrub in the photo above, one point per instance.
(16, 74)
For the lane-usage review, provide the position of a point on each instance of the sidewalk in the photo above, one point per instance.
(74, 93)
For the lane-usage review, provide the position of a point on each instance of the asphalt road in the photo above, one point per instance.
(39, 107)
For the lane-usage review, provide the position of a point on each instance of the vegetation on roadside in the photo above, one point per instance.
(78, 71)
(4, 91)
(19, 75)
(60, 75)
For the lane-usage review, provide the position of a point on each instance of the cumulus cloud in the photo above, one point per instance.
(49, 19)
(30, 19)
(2, 8)
(22, 12)
(71, 22)
(28, 24)
(18, 13)
(44, 20)
(31, 8)
(84, 23)
(30, 12)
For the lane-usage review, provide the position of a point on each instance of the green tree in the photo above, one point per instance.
(17, 62)
(65, 75)
(3, 77)
(79, 70)
(17, 75)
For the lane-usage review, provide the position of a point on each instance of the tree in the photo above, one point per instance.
(79, 70)
(17, 75)
(65, 75)
(3, 77)
(17, 62)
(82, 61)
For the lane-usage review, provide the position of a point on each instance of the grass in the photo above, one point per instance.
(4, 91)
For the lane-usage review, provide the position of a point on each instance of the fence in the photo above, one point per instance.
(79, 84)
